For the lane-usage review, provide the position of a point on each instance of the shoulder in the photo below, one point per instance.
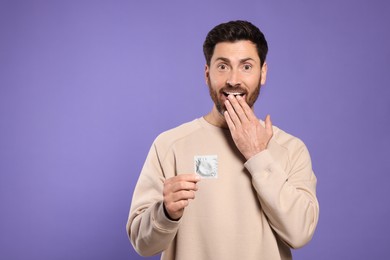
(286, 139)
(291, 145)
(168, 138)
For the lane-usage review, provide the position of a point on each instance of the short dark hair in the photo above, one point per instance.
(235, 31)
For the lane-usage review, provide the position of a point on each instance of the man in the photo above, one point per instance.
(227, 185)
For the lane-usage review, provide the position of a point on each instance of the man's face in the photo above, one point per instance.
(235, 69)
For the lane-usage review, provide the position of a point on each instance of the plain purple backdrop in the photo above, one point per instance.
(86, 86)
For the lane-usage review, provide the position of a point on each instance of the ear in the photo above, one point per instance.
(206, 73)
(264, 69)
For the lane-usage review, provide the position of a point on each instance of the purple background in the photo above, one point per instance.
(85, 87)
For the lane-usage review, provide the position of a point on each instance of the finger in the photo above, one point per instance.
(232, 114)
(181, 182)
(268, 124)
(190, 177)
(238, 107)
(246, 108)
(229, 121)
(177, 208)
(182, 195)
(179, 205)
(180, 186)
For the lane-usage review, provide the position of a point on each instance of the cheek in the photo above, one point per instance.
(218, 82)
(215, 83)
(217, 78)
(212, 82)
(255, 81)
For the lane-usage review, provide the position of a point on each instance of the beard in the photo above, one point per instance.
(250, 98)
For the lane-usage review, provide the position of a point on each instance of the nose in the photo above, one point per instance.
(233, 80)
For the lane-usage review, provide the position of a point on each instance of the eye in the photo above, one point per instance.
(222, 67)
(247, 67)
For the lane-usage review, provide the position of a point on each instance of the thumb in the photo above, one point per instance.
(268, 125)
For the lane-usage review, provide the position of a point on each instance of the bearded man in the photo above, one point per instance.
(226, 185)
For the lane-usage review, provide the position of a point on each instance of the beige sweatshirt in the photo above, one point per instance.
(255, 209)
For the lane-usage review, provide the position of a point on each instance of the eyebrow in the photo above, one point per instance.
(228, 61)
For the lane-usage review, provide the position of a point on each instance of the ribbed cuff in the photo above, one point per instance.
(259, 164)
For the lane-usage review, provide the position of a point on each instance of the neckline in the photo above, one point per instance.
(203, 122)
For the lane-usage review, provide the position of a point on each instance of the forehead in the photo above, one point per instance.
(238, 50)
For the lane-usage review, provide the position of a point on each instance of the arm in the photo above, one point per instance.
(287, 195)
(282, 176)
(149, 230)
(157, 206)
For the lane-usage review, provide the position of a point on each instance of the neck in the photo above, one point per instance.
(215, 118)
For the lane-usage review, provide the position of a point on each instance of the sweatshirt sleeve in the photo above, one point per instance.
(148, 228)
(286, 186)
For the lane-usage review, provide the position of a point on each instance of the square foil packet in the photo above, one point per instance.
(206, 166)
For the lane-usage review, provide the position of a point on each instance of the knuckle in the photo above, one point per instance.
(169, 207)
(166, 191)
(184, 194)
(181, 185)
(184, 203)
